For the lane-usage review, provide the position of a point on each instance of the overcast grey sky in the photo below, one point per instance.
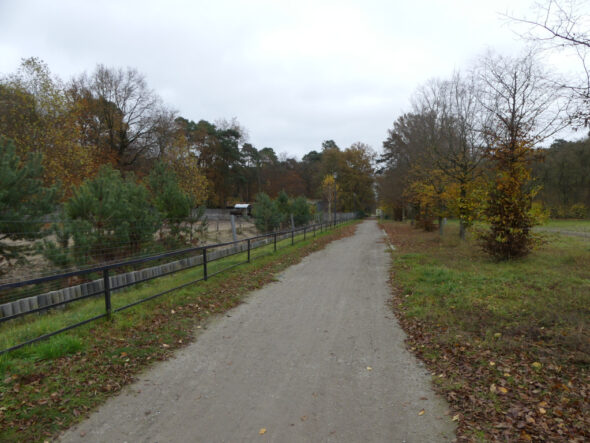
(293, 73)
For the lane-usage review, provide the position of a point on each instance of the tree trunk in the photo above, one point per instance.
(462, 211)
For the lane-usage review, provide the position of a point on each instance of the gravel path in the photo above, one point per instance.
(563, 232)
(315, 357)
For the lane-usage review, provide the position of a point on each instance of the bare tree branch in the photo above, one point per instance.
(564, 25)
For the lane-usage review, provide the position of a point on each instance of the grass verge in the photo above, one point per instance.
(32, 326)
(47, 387)
(508, 343)
(567, 225)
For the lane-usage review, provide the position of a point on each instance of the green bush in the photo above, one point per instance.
(107, 217)
(58, 253)
(579, 210)
(174, 204)
(284, 207)
(301, 212)
(111, 216)
(23, 201)
(267, 216)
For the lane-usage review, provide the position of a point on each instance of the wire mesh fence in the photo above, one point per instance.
(67, 246)
(93, 288)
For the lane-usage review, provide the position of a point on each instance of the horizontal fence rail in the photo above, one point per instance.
(109, 283)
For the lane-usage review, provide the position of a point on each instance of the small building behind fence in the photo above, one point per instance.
(242, 209)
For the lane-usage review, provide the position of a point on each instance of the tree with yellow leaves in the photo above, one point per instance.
(524, 106)
(429, 193)
(330, 190)
(456, 147)
(185, 164)
(40, 119)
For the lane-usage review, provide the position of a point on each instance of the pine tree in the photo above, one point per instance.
(174, 205)
(23, 202)
(266, 214)
(110, 217)
(284, 206)
(301, 211)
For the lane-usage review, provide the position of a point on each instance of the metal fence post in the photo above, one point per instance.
(204, 263)
(304, 233)
(275, 235)
(248, 250)
(292, 237)
(314, 230)
(107, 293)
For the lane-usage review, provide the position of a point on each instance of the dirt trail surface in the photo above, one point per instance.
(315, 357)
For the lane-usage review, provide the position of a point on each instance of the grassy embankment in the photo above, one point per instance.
(47, 387)
(507, 343)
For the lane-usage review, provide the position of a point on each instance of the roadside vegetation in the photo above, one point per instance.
(508, 343)
(98, 168)
(45, 388)
(582, 226)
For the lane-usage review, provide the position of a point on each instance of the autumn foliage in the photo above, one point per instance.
(466, 151)
(509, 204)
(134, 176)
(38, 117)
(110, 116)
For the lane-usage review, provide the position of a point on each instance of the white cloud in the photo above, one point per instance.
(294, 73)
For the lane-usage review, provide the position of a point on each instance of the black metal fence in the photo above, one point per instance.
(202, 256)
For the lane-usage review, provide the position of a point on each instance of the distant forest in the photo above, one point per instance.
(471, 148)
(563, 172)
(111, 117)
